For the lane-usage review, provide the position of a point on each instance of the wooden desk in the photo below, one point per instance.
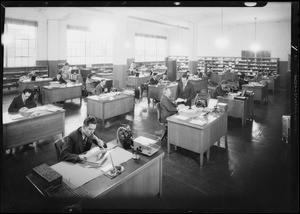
(194, 137)
(238, 108)
(137, 81)
(31, 84)
(156, 91)
(106, 108)
(141, 178)
(199, 84)
(27, 130)
(51, 95)
(260, 91)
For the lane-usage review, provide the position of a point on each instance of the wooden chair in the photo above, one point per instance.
(58, 144)
(158, 108)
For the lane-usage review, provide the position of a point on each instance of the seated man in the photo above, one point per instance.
(153, 80)
(218, 92)
(242, 81)
(164, 77)
(66, 71)
(80, 141)
(168, 108)
(59, 78)
(92, 86)
(100, 88)
(22, 102)
(32, 75)
(185, 91)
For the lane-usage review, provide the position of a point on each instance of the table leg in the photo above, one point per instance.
(168, 146)
(201, 159)
(208, 154)
(175, 147)
(226, 144)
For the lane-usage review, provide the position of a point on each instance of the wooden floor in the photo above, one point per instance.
(255, 174)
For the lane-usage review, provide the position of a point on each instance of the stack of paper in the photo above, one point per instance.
(200, 121)
(181, 117)
(15, 116)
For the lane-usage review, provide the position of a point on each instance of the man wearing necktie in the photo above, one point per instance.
(22, 102)
(80, 141)
(185, 91)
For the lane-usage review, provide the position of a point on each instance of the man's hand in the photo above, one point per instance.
(23, 109)
(101, 143)
(82, 157)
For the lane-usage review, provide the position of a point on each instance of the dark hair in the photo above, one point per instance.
(89, 120)
(154, 74)
(184, 75)
(27, 90)
(66, 63)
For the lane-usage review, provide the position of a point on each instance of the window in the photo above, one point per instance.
(86, 47)
(150, 48)
(20, 48)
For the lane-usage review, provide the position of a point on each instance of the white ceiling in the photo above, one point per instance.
(172, 17)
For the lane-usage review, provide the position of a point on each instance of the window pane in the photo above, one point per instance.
(23, 38)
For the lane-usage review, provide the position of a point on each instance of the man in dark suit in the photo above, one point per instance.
(153, 80)
(185, 91)
(80, 141)
(168, 108)
(22, 102)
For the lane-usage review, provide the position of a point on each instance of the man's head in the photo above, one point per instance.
(89, 126)
(167, 92)
(26, 93)
(102, 82)
(155, 75)
(184, 78)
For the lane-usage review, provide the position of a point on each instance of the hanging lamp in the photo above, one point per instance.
(255, 46)
(221, 42)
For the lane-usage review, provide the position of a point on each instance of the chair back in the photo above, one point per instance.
(58, 144)
(158, 108)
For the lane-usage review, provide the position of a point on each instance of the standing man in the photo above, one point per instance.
(22, 102)
(185, 91)
(80, 141)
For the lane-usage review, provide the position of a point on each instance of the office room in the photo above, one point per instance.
(150, 107)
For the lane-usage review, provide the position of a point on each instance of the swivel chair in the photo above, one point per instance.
(165, 133)
(58, 144)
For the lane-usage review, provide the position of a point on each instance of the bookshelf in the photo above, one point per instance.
(247, 65)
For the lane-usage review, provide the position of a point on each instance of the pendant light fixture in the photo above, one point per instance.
(221, 42)
(177, 45)
(255, 46)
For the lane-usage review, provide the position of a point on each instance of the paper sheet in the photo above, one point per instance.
(198, 122)
(144, 140)
(75, 175)
(181, 117)
(15, 116)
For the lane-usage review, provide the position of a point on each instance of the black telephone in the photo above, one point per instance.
(125, 137)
